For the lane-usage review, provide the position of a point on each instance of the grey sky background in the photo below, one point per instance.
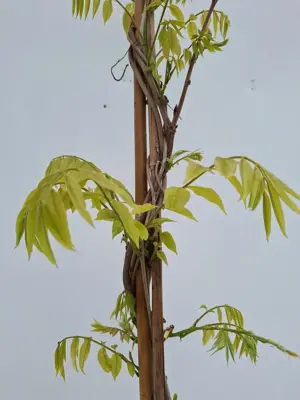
(55, 78)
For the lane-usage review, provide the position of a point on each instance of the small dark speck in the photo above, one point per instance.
(104, 105)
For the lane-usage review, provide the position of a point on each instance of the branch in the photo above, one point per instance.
(125, 359)
(187, 81)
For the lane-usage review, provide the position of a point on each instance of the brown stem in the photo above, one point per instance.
(193, 61)
(140, 141)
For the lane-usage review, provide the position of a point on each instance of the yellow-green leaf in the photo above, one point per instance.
(176, 198)
(43, 239)
(140, 209)
(117, 228)
(107, 10)
(168, 241)
(116, 365)
(130, 368)
(57, 359)
(143, 231)
(219, 311)
(225, 166)
(277, 208)
(31, 228)
(176, 12)
(55, 218)
(206, 336)
(257, 189)
(96, 4)
(106, 215)
(267, 214)
(246, 176)
(159, 221)
(63, 350)
(187, 55)
(20, 225)
(104, 360)
(215, 22)
(75, 351)
(236, 342)
(127, 221)
(76, 197)
(208, 194)
(280, 189)
(235, 183)
(84, 353)
(174, 42)
(192, 30)
(127, 16)
(193, 172)
(203, 18)
(162, 256)
(87, 8)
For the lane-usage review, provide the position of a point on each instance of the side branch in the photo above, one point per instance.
(193, 61)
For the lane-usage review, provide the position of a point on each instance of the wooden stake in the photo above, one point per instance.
(156, 269)
(140, 142)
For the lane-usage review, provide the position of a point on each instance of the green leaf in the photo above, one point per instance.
(84, 353)
(106, 215)
(225, 166)
(175, 200)
(208, 194)
(176, 12)
(235, 183)
(246, 176)
(161, 255)
(87, 8)
(257, 189)
(20, 225)
(280, 189)
(143, 231)
(168, 241)
(194, 171)
(116, 366)
(127, 16)
(96, 5)
(267, 214)
(140, 209)
(277, 207)
(57, 359)
(127, 221)
(76, 196)
(104, 360)
(75, 351)
(130, 368)
(206, 336)
(203, 306)
(117, 228)
(174, 42)
(226, 26)
(31, 228)
(55, 218)
(159, 221)
(43, 239)
(219, 311)
(175, 396)
(187, 54)
(107, 10)
(215, 22)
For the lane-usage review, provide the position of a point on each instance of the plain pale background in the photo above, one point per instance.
(55, 79)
